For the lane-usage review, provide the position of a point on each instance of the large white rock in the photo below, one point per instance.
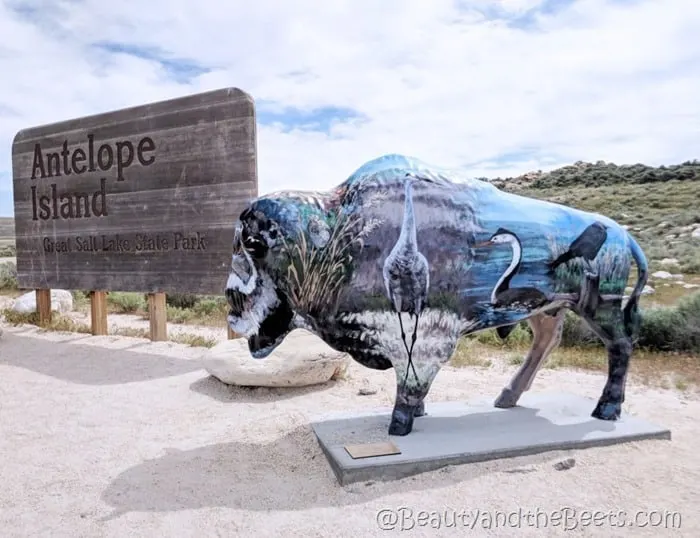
(301, 359)
(662, 275)
(61, 301)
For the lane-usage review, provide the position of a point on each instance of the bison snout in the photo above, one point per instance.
(241, 268)
(243, 275)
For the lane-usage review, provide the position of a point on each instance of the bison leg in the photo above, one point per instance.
(608, 324)
(410, 395)
(547, 330)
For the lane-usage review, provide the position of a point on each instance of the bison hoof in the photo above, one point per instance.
(607, 411)
(401, 421)
(506, 399)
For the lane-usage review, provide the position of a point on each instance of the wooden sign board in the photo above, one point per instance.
(140, 199)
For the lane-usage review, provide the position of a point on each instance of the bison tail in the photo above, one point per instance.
(631, 310)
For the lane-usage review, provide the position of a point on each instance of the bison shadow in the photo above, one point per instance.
(291, 473)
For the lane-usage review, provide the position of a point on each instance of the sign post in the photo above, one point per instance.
(140, 199)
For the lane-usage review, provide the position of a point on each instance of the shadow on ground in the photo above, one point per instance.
(289, 473)
(213, 388)
(86, 364)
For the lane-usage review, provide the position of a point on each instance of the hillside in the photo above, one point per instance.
(7, 236)
(7, 228)
(659, 205)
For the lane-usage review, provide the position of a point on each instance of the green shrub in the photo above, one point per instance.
(8, 276)
(179, 315)
(661, 329)
(690, 264)
(125, 302)
(207, 306)
(689, 308)
(577, 333)
(8, 251)
(181, 300)
(80, 299)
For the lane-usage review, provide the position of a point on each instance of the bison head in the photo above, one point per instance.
(258, 310)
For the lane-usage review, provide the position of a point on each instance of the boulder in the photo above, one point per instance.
(61, 301)
(669, 261)
(301, 359)
(662, 275)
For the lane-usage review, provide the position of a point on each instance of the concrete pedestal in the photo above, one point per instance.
(457, 432)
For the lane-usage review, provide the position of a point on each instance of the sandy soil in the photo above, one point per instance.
(115, 437)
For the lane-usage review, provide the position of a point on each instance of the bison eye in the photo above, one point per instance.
(255, 247)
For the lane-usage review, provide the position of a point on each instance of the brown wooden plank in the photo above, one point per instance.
(157, 312)
(370, 450)
(98, 312)
(232, 335)
(43, 306)
(198, 170)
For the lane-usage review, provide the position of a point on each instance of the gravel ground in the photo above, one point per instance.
(116, 437)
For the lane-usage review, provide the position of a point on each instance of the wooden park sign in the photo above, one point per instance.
(139, 199)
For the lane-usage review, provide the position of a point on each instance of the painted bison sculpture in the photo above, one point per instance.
(402, 259)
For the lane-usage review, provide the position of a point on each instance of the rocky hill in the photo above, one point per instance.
(600, 174)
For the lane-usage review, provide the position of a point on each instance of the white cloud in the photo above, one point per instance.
(616, 80)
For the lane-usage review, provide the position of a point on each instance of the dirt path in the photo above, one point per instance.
(114, 437)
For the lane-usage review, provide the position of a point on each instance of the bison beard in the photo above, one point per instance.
(273, 328)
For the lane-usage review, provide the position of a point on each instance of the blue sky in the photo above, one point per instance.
(496, 88)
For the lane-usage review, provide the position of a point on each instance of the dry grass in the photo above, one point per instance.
(62, 323)
(189, 339)
(58, 323)
(470, 352)
(193, 340)
(668, 292)
(664, 370)
(131, 332)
